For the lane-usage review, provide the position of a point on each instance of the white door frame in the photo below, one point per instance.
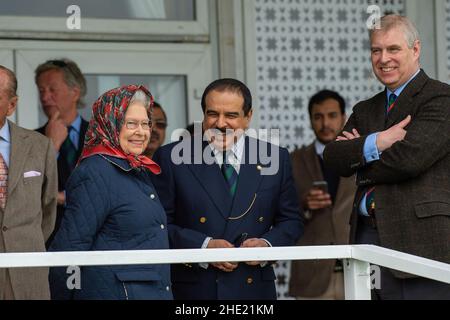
(190, 60)
(443, 71)
(7, 60)
(109, 29)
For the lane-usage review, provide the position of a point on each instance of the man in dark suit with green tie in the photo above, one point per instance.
(62, 87)
(219, 191)
(398, 144)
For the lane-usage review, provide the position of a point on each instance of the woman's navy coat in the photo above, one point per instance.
(111, 206)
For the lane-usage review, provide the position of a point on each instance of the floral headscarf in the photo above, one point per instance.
(108, 115)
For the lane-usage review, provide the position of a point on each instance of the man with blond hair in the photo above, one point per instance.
(62, 87)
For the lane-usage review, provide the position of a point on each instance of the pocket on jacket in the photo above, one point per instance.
(138, 275)
(29, 180)
(140, 284)
(432, 208)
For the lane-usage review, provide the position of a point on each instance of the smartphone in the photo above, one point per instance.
(321, 185)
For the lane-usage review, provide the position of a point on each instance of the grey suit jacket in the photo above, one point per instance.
(30, 212)
(412, 178)
(329, 226)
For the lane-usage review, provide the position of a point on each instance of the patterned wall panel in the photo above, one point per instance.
(307, 45)
(304, 46)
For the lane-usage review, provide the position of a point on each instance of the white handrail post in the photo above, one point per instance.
(357, 279)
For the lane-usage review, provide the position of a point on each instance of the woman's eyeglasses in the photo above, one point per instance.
(132, 124)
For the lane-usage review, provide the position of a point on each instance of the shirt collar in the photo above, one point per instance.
(4, 132)
(76, 124)
(237, 149)
(399, 90)
(320, 147)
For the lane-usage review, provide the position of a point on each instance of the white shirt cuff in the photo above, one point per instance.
(205, 265)
(264, 263)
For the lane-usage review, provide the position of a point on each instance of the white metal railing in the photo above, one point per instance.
(357, 260)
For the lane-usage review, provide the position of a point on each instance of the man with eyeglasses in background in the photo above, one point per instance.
(62, 87)
(159, 125)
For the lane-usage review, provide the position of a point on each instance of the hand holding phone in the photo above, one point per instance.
(321, 185)
(318, 200)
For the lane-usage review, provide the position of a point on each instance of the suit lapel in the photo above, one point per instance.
(20, 145)
(212, 181)
(400, 110)
(346, 186)
(403, 105)
(376, 120)
(312, 163)
(83, 129)
(339, 215)
(246, 193)
(249, 180)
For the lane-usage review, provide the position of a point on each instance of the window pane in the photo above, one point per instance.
(169, 91)
(175, 10)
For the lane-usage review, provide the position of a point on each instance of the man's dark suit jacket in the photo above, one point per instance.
(198, 205)
(412, 178)
(64, 172)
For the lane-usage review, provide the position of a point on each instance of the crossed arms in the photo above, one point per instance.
(407, 149)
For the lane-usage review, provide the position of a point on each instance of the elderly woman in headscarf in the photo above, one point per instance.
(112, 204)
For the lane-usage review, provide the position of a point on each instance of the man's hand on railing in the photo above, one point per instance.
(224, 266)
(255, 243)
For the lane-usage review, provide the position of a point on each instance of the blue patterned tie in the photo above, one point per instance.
(230, 175)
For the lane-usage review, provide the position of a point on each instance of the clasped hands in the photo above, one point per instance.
(230, 266)
(385, 139)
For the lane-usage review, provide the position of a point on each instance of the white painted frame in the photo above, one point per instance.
(190, 60)
(422, 13)
(356, 260)
(7, 60)
(249, 34)
(443, 72)
(109, 29)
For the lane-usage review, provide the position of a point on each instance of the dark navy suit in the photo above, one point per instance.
(64, 173)
(198, 205)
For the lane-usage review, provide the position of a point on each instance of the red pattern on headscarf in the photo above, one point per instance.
(108, 114)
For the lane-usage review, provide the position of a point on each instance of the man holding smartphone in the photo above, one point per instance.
(326, 200)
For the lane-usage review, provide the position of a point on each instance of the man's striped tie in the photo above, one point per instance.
(391, 102)
(230, 175)
(3, 182)
(370, 199)
(69, 150)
